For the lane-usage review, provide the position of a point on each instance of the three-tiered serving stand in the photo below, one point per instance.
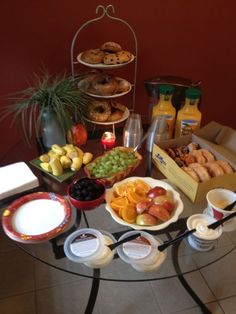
(105, 12)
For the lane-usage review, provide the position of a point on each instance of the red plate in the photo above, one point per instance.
(36, 217)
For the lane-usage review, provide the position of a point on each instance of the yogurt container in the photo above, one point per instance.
(203, 239)
(142, 253)
(90, 246)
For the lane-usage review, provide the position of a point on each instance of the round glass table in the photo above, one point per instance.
(181, 258)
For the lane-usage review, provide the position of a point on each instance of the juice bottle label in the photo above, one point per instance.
(170, 120)
(188, 126)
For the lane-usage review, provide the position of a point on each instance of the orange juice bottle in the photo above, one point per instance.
(189, 117)
(165, 108)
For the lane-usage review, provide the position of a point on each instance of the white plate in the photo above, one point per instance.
(152, 182)
(124, 117)
(102, 65)
(36, 217)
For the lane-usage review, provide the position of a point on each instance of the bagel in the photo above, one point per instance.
(214, 169)
(199, 156)
(117, 105)
(115, 115)
(225, 166)
(104, 85)
(201, 171)
(192, 173)
(123, 86)
(111, 46)
(92, 56)
(207, 154)
(99, 111)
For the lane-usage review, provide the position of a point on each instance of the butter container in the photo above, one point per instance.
(90, 246)
(141, 253)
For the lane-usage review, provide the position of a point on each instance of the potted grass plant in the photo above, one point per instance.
(48, 108)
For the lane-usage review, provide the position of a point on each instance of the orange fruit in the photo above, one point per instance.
(118, 203)
(135, 198)
(141, 185)
(120, 190)
(129, 213)
(139, 190)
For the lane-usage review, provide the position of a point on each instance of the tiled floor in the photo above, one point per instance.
(30, 287)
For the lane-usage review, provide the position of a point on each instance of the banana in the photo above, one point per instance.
(72, 154)
(56, 166)
(65, 162)
(46, 166)
(52, 155)
(44, 158)
(76, 164)
(87, 158)
(79, 151)
(58, 149)
(68, 148)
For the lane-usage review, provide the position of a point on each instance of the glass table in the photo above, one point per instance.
(180, 256)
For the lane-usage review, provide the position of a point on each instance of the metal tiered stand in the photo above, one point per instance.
(107, 12)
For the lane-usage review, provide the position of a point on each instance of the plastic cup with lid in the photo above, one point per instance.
(142, 253)
(203, 239)
(89, 246)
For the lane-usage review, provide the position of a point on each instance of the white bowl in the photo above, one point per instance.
(152, 182)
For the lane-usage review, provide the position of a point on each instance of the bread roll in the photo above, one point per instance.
(214, 169)
(201, 171)
(192, 173)
(225, 166)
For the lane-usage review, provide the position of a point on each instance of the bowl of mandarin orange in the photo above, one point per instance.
(143, 203)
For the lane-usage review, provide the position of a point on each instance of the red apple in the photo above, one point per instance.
(166, 201)
(156, 191)
(159, 212)
(146, 220)
(143, 206)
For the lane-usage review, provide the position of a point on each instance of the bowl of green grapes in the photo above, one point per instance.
(114, 165)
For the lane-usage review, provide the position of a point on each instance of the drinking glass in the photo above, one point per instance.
(133, 130)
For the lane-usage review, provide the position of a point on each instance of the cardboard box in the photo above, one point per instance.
(218, 139)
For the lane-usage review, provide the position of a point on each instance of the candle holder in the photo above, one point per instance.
(108, 140)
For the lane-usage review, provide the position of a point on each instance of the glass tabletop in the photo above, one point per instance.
(181, 258)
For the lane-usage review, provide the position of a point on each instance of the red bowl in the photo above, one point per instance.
(86, 204)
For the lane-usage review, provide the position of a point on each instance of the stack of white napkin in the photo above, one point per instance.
(16, 178)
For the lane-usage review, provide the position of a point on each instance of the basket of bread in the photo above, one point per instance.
(114, 165)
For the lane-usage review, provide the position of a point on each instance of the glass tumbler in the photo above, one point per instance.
(133, 131)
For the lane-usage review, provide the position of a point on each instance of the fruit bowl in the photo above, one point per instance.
(86, 193)
(131, 162)
(148, 223)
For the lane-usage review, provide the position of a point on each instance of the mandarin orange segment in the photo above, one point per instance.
(120, 190)
(129, 213)
(140, 184)
(135, 198)
(118, 203)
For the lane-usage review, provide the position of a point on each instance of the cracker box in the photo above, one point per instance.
(218, 139)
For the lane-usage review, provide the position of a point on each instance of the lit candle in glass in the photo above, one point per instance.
(108, 140)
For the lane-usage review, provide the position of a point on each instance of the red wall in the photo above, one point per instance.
(193, 39)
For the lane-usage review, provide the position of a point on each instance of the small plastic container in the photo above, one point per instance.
(142, 253)
(90, 246)
(204, 238)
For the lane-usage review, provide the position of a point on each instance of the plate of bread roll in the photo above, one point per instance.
(108, 55)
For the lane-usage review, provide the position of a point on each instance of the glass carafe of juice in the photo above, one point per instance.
(189, 117)
(165, 108)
